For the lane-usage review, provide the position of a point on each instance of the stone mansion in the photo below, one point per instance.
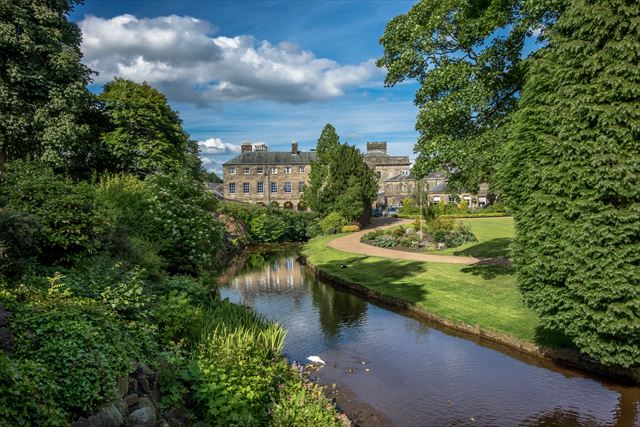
(278, 178)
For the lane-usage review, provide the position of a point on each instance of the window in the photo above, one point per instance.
(260, 170)
(260, 187)
(232, 188)
(273, 171)
(300, 169)
(246, 188)
(274, 187)
(247, 171)
(436, 199)
(287, 187)
(232, 171)
(287, 170)
(301, 186)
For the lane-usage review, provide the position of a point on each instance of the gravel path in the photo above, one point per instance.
(351, 243)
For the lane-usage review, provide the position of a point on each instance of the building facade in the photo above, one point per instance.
(385, 166)
(265, 177)
(403, 186)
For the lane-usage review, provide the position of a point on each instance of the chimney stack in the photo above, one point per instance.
(245, 147)
(294, 147)
(377, 147)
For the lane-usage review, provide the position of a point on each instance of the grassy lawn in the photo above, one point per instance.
(494, 236)
(484, 295)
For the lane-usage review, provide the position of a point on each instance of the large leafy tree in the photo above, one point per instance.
(145, 135)
(46, 111)
(572, 176)
(340, 180)
(466, 57)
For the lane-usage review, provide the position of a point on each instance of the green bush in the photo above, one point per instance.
(174, 212)
(297, 225)
(385, 241)
(81, 344)
(71, 218)
(448, 231)
(267, 228)
(332, 221)
(349, 229)
(27, 393)
(19, 245)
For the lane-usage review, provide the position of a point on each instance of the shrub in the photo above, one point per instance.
(385, 241)
(172, 211)
(81, 345)
(448, 231)
(372, 235)
(349, 229)
(71, 219)
(27, 393)
(267, 228)
(298, 226)
(333, 220)
(19, 235)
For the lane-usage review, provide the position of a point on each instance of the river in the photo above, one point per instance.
(390, 368)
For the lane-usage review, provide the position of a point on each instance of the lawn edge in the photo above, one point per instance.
(563, 356)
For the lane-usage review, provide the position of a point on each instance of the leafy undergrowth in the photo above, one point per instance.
(234, 374)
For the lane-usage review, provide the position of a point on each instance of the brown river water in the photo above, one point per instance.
(392, 369)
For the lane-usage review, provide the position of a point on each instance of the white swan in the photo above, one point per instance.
(316, 359)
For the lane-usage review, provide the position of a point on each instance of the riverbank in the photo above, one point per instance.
(481, 299)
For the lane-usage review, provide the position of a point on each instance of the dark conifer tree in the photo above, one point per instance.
(573, 179)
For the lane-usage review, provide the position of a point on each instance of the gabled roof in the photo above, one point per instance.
(440, 189)
(273, 158)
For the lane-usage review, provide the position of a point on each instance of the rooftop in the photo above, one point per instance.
(377, 158)
(272, 158)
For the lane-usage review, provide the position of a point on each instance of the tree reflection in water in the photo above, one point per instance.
(337, 311)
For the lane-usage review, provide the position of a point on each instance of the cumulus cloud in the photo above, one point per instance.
(217, 146)
(178, 55)
(211, 149)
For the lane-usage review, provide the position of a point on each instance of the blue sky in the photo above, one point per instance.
(263, 71)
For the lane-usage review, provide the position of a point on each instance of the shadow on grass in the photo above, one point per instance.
(490, 269)
(494, 248)
(390, 277)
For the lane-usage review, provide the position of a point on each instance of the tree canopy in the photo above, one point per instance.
(572, 177)
(340, 180)
(466, 57)
(46, 111)
(145, 134)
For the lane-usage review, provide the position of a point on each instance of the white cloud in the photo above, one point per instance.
(178, 55)
(217, 146)
(211, 148)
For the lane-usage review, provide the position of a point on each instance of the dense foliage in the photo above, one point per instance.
(467, 58)
(572, 178)
(145, 135)
(68, 216)
(340, 180)
(46, 111)
(269, 224)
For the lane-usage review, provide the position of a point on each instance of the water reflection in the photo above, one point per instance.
(415, 374)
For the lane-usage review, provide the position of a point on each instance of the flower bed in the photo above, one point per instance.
(440, 233)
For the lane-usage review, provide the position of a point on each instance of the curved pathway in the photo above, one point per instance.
(351, 243)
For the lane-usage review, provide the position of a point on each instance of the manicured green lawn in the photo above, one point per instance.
(484, 295)
(494, 236)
